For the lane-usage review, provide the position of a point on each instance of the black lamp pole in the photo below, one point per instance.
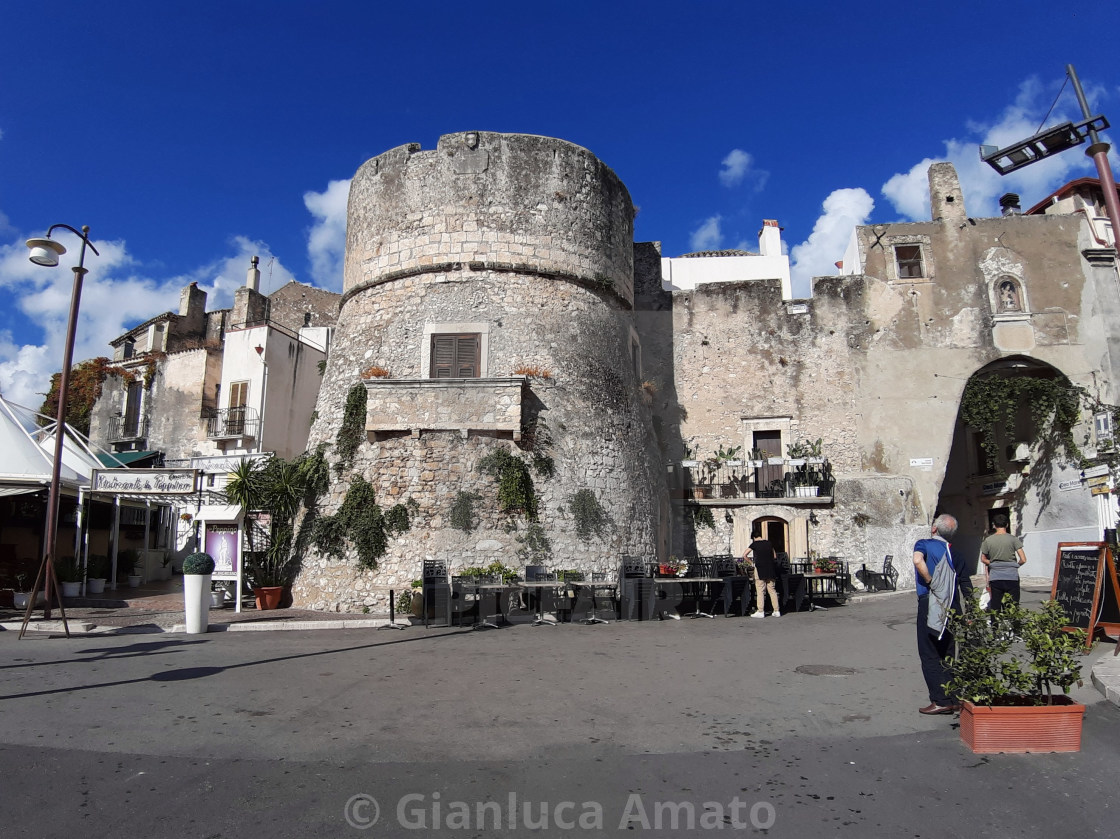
(45, 251)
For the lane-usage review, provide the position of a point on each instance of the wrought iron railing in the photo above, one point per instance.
(233, 422)
(127, 428)
(744, 480)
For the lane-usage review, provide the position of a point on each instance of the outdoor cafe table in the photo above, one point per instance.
(592, 586)
(499, 592)
(539, 586)
(696, 584)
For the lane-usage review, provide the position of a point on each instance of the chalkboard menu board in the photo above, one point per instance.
(1076, 583)
(1086, 586)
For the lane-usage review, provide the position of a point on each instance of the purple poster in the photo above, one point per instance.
(221, 544)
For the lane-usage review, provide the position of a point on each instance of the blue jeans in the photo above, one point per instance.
(932, 652)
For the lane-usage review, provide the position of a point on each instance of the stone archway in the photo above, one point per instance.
(1020, 471)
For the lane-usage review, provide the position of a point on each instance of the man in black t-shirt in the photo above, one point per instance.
(760, 554)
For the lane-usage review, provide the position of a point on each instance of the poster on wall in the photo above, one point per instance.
(222, 543)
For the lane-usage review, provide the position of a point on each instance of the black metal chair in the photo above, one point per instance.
(436, 592)
(464, 599)
(635, 588)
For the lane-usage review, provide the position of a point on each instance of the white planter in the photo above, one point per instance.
(815, 461)
(796, 461)
(196, 602)
(95, 586)
(806, 492)
(755, 463)
(217, 598)
(690, 463)
(733, 463)
(20, 599)
(775, 461)
(134, 581)
(71, 589)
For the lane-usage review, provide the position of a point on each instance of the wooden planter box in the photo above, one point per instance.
(1016, 729)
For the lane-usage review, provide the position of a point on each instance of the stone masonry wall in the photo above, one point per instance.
(528, 241)
(517, 200)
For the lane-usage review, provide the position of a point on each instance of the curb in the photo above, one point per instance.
(1105, 676)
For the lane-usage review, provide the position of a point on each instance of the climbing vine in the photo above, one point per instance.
(703, 516)
(589, 514)
(353, 426)
(990, 402)
(516, 492)
(361, 522)
(462, 511)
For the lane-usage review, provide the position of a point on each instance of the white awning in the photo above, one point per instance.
(219, 513)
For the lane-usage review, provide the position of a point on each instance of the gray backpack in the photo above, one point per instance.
(941, 589)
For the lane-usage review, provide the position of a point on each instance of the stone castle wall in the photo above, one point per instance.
(554, 220)
(526, 203)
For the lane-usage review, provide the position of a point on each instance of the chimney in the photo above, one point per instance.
(1009, 204)
(253, 280)
(192, 310)
(946, 202)
(770, 238)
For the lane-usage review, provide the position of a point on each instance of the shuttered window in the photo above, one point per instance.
(455, 356)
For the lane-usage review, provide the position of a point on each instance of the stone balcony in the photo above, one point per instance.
(491, 406)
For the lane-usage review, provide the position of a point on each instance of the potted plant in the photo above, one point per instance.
(69, 574)
(1007, 667)
(756, 458)
(416, 599)
(97, 572)
(128, 565)
(269, 572)
(21, 595)
(197, 569)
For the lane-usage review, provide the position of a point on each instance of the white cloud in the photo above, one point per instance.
(735, 167)
(707, 236)
(326, 241)
(843, 210)
(908, 192)
(116, 296)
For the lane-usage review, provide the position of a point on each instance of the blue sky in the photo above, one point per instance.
(191, 136)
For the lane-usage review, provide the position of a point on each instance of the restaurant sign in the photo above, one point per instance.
(145, 481)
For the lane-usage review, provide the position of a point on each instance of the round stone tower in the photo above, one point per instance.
(487, 307)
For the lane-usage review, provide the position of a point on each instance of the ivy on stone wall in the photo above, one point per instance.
(990, 402)
(703, 516)
(591, 518)
(362, 523)
(536, 549)
(352, 430)
(463, 516)
(516, 492)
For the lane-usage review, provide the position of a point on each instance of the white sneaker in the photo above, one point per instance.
(775, 614)
(758, 615)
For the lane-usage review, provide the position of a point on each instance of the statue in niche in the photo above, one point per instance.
(1009, 297)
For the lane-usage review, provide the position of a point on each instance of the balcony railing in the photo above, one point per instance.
(743, 481)
(122, 429)
(233, 422)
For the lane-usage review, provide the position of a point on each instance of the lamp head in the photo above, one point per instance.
(45, 251)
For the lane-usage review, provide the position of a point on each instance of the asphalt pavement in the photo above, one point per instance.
(783, 727)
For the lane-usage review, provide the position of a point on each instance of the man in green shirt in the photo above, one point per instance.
(1002, 554)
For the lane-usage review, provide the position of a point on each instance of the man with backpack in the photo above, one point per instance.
(938, 579)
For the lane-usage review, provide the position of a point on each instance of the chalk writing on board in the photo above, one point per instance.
(1077, 584)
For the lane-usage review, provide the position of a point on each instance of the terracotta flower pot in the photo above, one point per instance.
(1023, 728)
(268, 597)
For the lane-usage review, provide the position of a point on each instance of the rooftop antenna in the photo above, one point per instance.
(271, 260)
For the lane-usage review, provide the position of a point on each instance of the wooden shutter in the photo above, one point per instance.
(455, 356)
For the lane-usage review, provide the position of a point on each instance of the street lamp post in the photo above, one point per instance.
(46, 251)
(1055, 140)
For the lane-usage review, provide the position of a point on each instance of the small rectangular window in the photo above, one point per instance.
(455, 356)
(909, 258)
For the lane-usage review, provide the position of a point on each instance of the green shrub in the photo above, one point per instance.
(198, 563)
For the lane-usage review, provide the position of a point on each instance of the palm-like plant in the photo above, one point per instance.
(279, 487)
